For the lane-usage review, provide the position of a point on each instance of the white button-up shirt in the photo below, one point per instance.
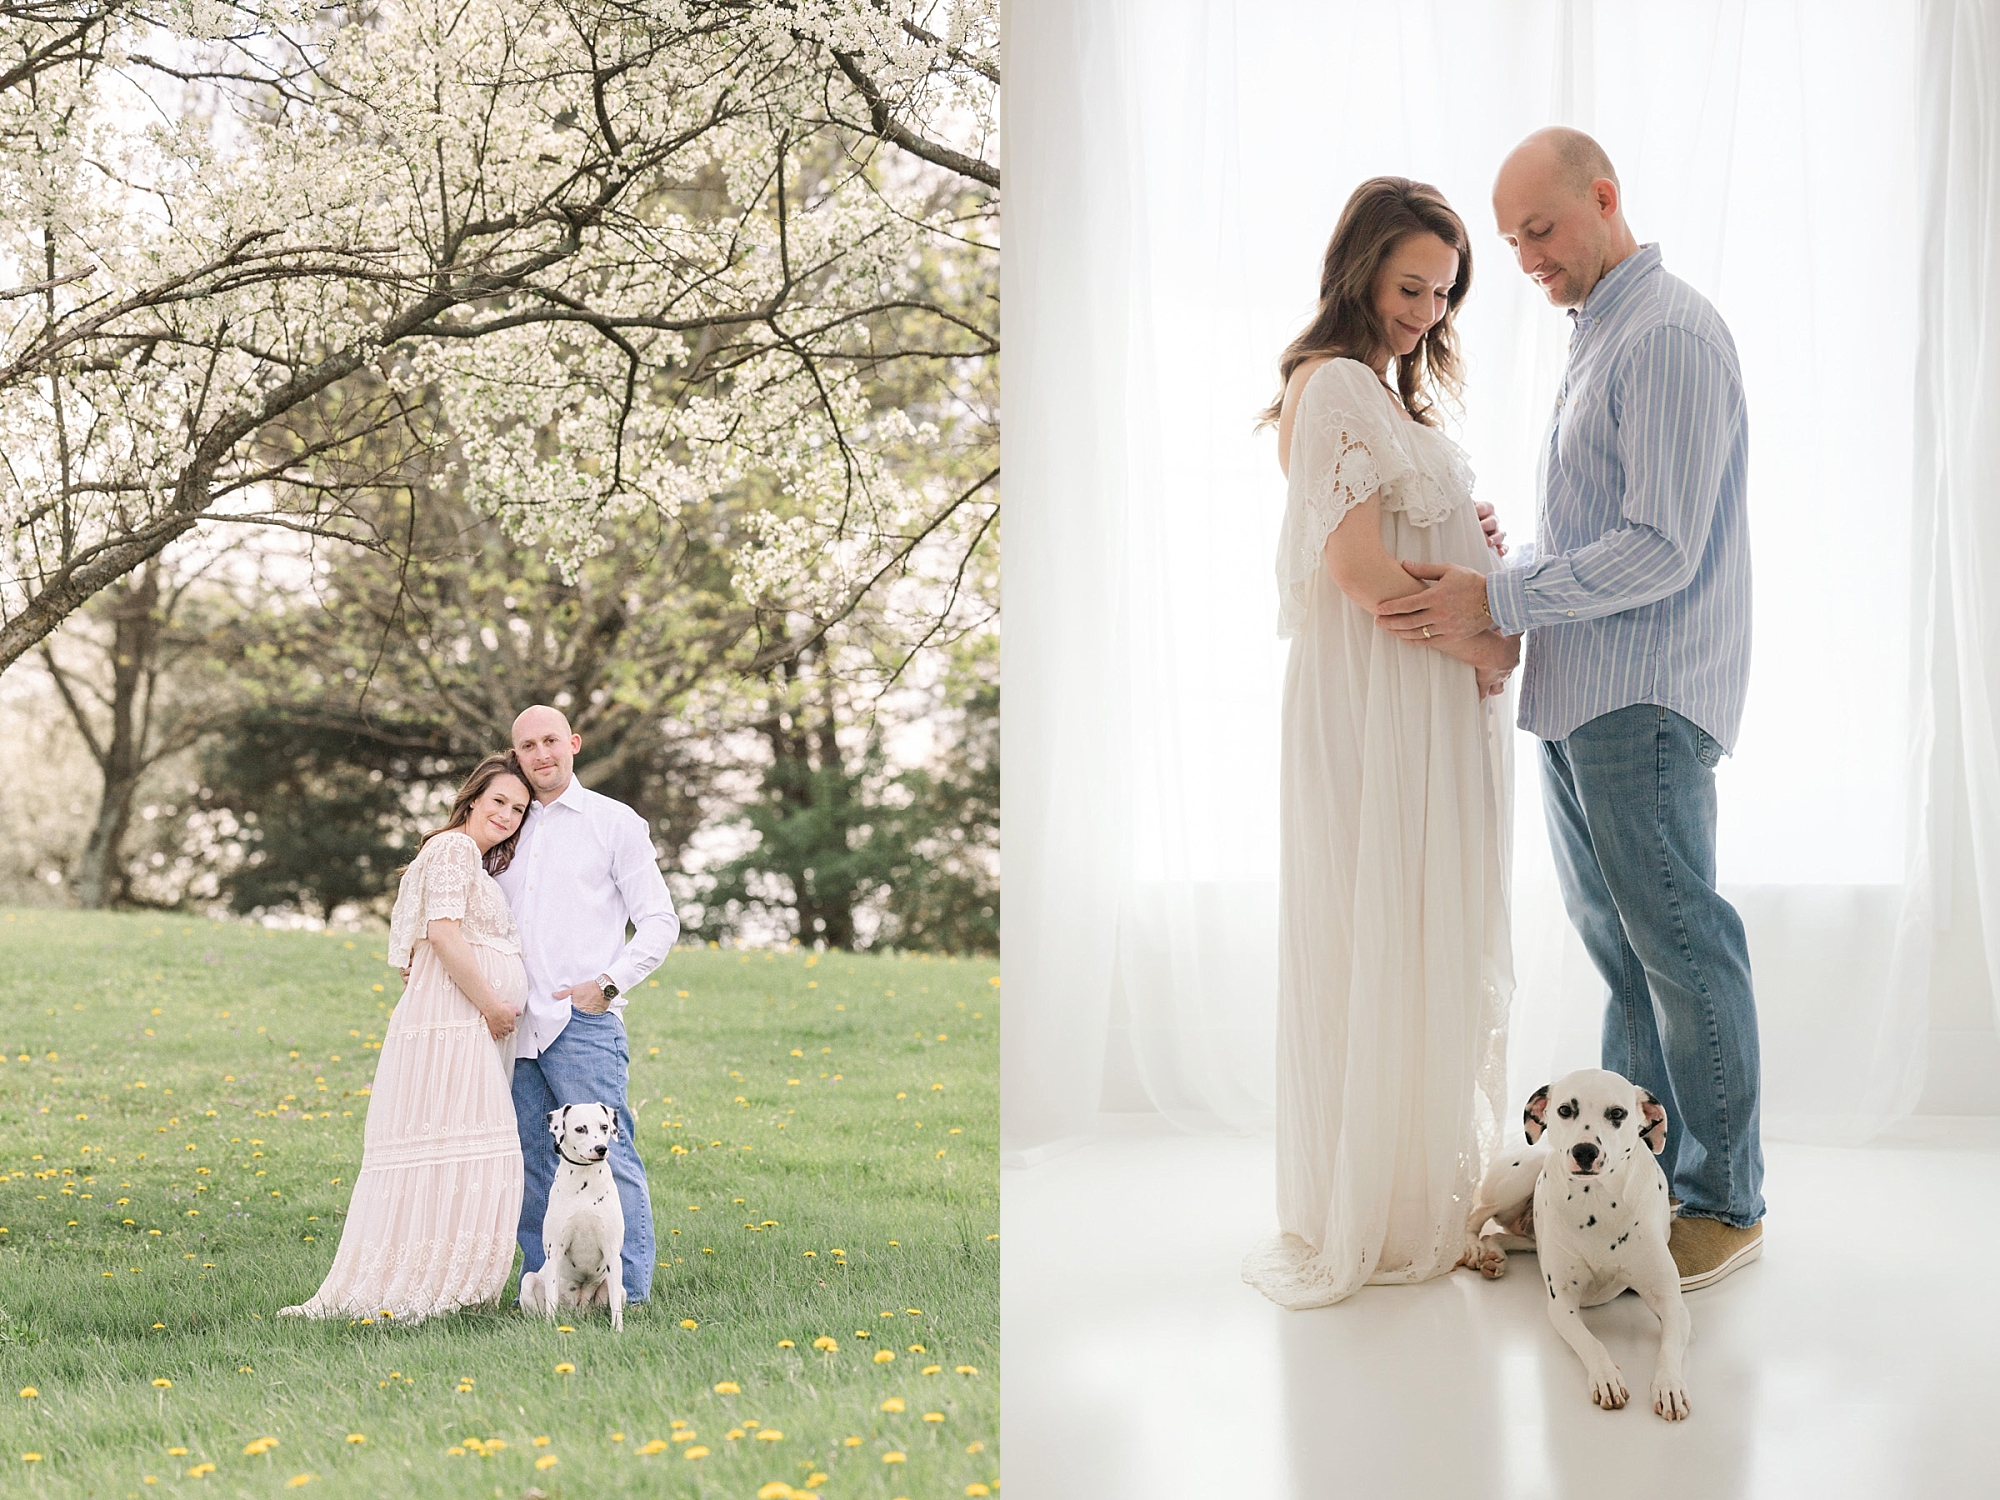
(583, 869)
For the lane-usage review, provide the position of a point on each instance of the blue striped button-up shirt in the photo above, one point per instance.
(1638, 586)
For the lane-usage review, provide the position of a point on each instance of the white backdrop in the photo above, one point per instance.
(1174, 170)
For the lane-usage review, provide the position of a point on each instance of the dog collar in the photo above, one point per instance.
(573, 1161)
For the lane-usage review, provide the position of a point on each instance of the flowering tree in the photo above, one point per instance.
(590, 257)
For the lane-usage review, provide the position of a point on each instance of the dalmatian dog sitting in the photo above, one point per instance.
(583, 1230)
(1597, 1207)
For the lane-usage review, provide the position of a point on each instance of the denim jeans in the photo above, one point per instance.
(1630, 801)
(586, 1064)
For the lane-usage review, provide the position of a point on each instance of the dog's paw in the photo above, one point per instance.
(1670, 1400)
(1608, 1389)
(1488, 1259)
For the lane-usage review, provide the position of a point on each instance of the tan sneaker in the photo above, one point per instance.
(1706, 1250)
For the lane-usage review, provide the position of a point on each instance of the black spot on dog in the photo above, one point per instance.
(1586, 1187)
(1593, 1220)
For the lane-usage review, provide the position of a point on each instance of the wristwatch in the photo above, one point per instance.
(610, 990)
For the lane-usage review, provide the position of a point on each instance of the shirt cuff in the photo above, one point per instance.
(1505, 600)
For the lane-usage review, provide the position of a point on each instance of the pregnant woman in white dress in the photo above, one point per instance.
(1394, 970)
(431, 1224)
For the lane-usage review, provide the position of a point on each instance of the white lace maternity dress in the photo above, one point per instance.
(432, 1221)
(1394, 967)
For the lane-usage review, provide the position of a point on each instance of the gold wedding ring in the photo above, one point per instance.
(1427, 632)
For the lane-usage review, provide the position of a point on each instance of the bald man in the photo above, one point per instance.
(1636, 603)
(583, 871)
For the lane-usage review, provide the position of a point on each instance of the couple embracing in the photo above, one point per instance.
(510, 929)
(1395, 970)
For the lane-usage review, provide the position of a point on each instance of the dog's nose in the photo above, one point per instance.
(1586, 1155)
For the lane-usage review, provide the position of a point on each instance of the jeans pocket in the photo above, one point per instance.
(1706, 750)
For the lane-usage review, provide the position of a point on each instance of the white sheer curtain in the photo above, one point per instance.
(1175, 168)
(1955, 807)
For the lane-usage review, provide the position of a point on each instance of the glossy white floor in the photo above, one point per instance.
(1859, 1357)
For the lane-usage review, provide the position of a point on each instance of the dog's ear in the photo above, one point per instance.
(1534, 1119)
(556, 1120)
(1654, 1131)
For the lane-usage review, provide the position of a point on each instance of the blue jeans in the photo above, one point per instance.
(1630, 801)
(585, 1065)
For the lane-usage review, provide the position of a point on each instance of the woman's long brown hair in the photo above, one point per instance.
(484, 775)
(1380, 215)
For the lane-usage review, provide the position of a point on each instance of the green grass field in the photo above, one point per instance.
(181, 1109)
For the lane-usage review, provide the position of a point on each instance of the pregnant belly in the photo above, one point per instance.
(504, 972)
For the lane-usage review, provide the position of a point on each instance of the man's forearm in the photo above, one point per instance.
(1624, 569)
(652, 940)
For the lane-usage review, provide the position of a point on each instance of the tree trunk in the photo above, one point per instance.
(101, 879)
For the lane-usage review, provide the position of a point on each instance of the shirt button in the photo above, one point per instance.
(1571, 613)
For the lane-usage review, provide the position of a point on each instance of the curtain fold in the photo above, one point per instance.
(1174, 170)
(1956, 541)
(1064, 825)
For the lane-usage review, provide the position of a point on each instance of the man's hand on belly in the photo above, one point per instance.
(1453, 608)
(586, 997)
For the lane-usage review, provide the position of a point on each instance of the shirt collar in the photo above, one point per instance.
(572, 796)
(1615, 286)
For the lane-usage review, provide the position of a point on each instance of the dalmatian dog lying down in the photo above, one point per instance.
(583, 1229)
(1597, 1207)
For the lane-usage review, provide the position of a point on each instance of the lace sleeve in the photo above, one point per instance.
(1343, 451)
(449, 878)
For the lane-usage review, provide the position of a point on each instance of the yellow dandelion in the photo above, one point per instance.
(695, 1452)
(733, 1434)
(728, 1388)
(454, 1452)
(976, 1488)
(547, 1461)
(565, 1368)
(815, 1480)
(825, 1343)
(932, 1370)
(975, 1447)
(356, 1437)
(689, 1323)
(298, 1479)
(564, 1328)
(201, 1471)
(933, 1416)
(777, 1489)
(161, 1382)
(541, 1442)
(885, 1356)
(31, 1458)
(894, 1403)
(617, 1437)
(770, 1435)
(657, 1445)
(28, 1393)
(916, 1348)
(850, 1442)
(177, 1453)
(895, 1458)
(259, 1445)
(786, 1344)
